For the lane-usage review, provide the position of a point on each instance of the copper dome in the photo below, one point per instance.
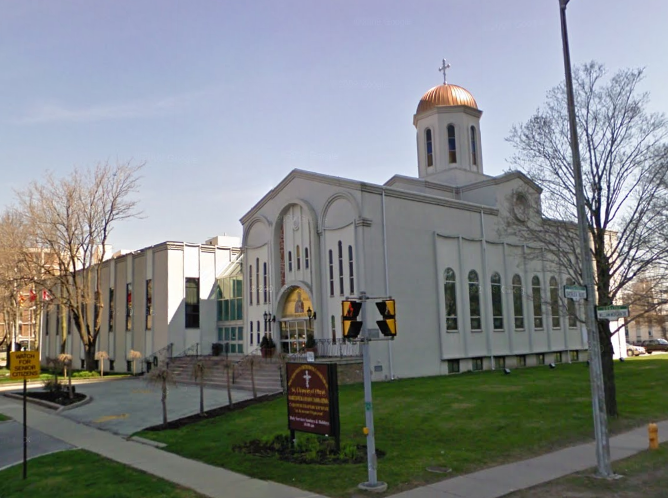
(445, 95)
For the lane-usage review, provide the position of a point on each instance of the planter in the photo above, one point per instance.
(267, 352)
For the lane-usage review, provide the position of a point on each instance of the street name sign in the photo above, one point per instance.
(611, 312)
(575, 292)
(24, 365)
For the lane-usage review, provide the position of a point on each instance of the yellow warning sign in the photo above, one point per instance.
(24, 364)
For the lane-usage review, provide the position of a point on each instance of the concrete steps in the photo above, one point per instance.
(265, 371)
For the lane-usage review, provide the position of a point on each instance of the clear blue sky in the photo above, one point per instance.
(223, 98)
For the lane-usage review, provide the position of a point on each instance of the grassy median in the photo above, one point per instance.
(81, 474)
(463, 422)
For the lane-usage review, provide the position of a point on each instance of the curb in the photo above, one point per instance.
(75, 381)
(48, 404)
(145, 441)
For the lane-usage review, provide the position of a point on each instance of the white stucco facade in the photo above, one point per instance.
(315, 238)
(144, 302)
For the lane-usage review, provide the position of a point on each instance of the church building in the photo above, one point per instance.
(468, 295)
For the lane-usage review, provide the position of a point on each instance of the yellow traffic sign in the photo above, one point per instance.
(24, 365)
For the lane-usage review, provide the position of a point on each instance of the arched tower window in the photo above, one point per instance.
(250, 284)
(554, 303)
(474, 300)
(452, 144)
(289, 260)
(450, 289)
(518, 307)
(306, 262)
(265, 284)
(474, 147)
(536, 296)
(429, 147)
(497, 301)
(350, 270)
(298, 254)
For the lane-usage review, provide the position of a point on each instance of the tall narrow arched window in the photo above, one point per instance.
(257, 280)
(298, 254)
(450, 290)
(289, 260)
(306, 261)
(452, 145)
(429, 147)
(340, 248)
(497, 301)
(518, 306)
(554, 303)
(351, 275)
(250, 284)
(537, 297)
(474, 147)
(570, 306)
(474, 300)
(265, 286)
(331, 273)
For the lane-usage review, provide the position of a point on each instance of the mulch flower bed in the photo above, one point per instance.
(308, 450)
(215, 412)
(61, 398)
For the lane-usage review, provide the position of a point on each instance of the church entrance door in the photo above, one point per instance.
(293, 335)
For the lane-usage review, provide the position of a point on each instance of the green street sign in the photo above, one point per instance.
(612, 312)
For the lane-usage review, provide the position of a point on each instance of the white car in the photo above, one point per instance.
(632, 350)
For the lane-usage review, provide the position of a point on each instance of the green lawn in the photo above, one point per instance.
(464, 422)
(3, 417)
(79, 474)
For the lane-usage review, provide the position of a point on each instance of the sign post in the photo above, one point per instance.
(24, 365)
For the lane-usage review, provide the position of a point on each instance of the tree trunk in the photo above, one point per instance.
(229, 386)
(89, 354)
(101, 367)
(201, 394)
(608, 367)
(252, 362)
(164, 402)
(69, 381)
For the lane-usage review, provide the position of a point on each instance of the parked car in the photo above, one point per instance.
(633, 350)
(655, 345)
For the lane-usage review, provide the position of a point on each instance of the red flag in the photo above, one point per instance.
(45, 295)
(33, 295)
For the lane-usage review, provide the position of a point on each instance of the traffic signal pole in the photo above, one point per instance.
(372, 460)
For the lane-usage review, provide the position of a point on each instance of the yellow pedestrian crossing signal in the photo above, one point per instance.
(349, 312)
(388, 325)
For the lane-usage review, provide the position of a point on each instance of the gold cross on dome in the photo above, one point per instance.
(444, 67)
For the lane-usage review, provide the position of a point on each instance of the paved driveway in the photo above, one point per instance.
(127, 406)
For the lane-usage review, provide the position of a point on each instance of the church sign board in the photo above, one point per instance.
(313, 398)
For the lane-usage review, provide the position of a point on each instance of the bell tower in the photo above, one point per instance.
(447, 120)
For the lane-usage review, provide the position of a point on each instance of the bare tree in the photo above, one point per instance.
(70, 220)
(66, 361)
(200, 372)
(625, 166)
(163, 377)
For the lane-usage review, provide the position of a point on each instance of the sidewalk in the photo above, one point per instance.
(499, 481)
(205, 479)
(216, 482)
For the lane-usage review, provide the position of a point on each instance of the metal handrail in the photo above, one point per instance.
(242, 362)
(192, 350)
(341, 348)
(165, 352)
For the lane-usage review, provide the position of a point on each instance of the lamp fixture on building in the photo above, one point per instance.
(310, 313)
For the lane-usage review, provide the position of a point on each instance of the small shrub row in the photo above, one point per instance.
(307, 449)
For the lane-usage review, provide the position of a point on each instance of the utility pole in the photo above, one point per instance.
(595, 363)
(372, 484)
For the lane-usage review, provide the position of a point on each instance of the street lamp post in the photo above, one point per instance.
(595, 368)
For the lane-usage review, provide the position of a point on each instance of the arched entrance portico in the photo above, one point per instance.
(295, 324)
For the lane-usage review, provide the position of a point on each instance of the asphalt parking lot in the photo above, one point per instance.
(127, 406)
